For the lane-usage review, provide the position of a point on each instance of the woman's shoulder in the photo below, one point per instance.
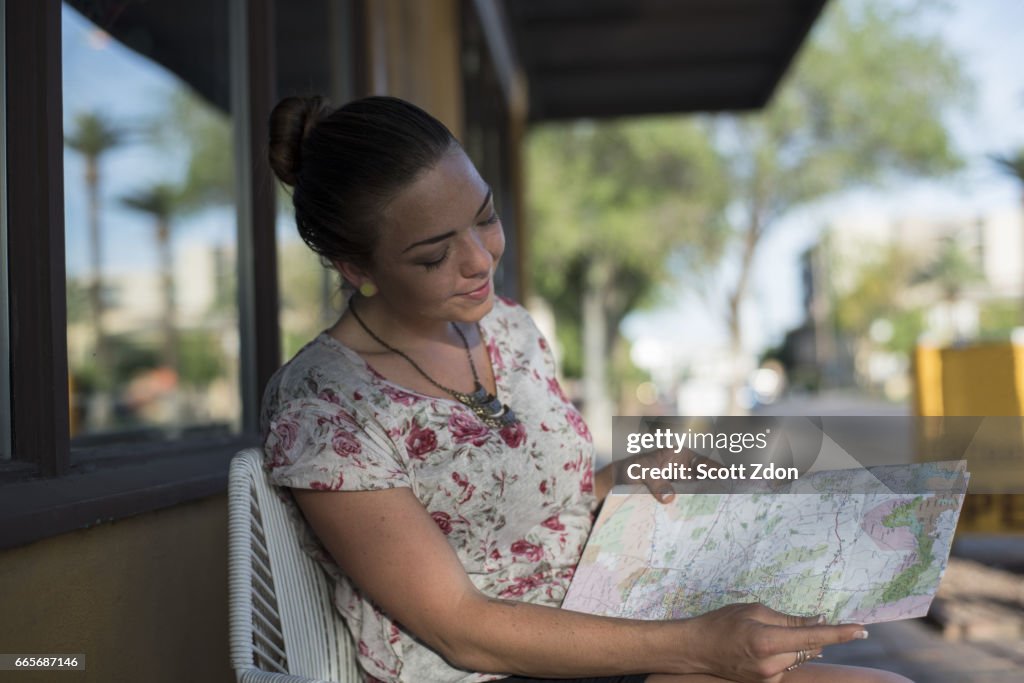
(508, 311)
(515, 318)
(320, 371)
(504, 305)
(516, 334)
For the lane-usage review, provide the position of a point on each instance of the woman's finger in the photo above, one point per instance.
(779, 639)
(661, 490)
(788, 661)
(701, 460)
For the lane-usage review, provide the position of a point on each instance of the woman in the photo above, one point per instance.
(444, 476)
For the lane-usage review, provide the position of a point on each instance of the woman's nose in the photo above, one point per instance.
(478, 258)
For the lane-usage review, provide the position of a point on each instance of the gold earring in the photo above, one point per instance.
(367, 289)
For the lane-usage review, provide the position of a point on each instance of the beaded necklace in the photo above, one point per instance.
(484, 405)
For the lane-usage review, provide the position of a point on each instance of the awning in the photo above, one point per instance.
(581, 58)
(604, 58)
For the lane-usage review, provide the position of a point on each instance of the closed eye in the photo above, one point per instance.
(433, 265)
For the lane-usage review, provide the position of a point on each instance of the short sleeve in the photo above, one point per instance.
(532, 335)
(316, 444)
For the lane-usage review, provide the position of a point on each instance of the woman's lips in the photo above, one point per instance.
(481, 292)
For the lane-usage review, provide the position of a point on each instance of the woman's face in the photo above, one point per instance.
(440, 245)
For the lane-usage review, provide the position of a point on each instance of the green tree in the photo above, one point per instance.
(161, 201)
(202, 132)
(610, 201)
(614, 203)
(869, 308)
(875, 291)
(202, 359)
(94, 135)
(953, 267)
(864, 104)
(950, 270)
(205, 133)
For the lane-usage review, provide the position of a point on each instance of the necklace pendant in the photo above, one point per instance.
(489, 409)
(484, 405)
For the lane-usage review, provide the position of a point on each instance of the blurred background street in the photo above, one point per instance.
(795, 207)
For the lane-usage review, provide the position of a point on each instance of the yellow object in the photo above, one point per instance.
(980, 380)
(985, 379)
(928, 381)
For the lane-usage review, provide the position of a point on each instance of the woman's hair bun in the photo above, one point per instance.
(291, 122)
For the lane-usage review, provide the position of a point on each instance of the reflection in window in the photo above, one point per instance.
(314, 47)
(486, 138)
(310, 292)
(150, 221)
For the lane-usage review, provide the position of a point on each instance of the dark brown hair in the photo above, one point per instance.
(346, 165)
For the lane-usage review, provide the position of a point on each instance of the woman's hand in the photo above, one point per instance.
(751, 643)
(663, 490)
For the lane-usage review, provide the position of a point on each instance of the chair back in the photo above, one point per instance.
(282, 618)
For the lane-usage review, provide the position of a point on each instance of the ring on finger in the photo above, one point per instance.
(801, 657)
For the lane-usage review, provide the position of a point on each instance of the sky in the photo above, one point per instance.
(986, 36)
(101, 75)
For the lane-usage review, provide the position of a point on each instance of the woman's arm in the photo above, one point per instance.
(394, 553)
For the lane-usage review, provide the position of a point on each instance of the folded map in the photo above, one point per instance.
(826, 543)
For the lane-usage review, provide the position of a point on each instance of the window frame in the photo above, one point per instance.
(43, 491)
(5, 320)
(494, 109)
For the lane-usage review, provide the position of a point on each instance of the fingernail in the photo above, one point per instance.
(819, 656)
(821, 619)
(861, 635)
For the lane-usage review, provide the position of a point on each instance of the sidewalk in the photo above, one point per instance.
(917, 650)
(833, 403)
(975, 600)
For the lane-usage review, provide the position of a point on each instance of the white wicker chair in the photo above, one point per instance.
(284, 628)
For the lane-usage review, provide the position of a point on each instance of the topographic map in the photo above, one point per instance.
(828, 543)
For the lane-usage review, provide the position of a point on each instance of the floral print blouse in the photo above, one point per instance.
(515, 503)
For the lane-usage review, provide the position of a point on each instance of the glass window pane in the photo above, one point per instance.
(311, 297)
(314, 52)
(150, 220)
(5, 369)
(486, 139)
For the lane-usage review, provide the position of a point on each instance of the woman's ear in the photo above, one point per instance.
(353, 274)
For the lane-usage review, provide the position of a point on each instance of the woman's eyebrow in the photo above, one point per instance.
(487, 200)
(440, 238)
